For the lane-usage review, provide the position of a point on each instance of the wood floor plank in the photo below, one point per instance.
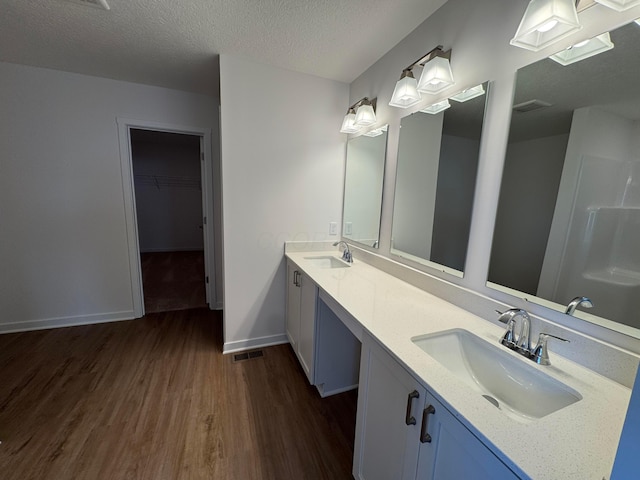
(154, 398)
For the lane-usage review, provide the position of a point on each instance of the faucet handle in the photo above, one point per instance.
(540, 354)
(508, 337)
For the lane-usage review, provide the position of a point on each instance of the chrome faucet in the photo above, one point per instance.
(346, 254)
(522, 343)
(576, 302)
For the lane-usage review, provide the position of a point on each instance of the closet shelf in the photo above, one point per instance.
(167, 181)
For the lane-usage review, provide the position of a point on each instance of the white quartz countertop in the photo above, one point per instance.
(576, 442)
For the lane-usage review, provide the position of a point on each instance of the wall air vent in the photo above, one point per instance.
(101, 4)
(530, 106)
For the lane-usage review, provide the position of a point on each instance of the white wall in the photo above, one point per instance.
(283, 171)
(63, 243)
(168, 192)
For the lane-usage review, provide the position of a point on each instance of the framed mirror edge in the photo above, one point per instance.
(419, 263)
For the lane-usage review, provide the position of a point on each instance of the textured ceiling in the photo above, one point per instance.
(175, 44)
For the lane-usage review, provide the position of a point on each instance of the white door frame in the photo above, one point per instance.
(126, 163)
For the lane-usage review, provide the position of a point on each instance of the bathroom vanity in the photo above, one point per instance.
(416, 417)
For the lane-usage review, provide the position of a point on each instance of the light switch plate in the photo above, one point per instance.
(333, 228)
(348, 228)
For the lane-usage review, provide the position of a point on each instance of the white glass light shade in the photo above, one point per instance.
(436, 76)
(584, 50)
(349, 123)
(365, 115)
(545, 22)
(406, 92)
(468, 94)
(637, 20)
(619, 5)
(437, 107)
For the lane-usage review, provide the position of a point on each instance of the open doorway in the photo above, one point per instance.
(168, 169)
(168, 197)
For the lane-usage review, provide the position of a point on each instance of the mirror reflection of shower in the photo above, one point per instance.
(571, 184)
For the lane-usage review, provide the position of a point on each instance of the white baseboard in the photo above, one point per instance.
(60, 322)
(240, 345)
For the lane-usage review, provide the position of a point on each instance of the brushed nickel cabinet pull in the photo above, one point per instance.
(409, 420)
(424, 436)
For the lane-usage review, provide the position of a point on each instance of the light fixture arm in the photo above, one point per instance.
(435, 52)
(363, 101)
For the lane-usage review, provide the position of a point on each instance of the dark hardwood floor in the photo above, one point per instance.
(173, 281)
(154, 398)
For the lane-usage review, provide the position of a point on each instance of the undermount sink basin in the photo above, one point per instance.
(327, 261)
(516, 388)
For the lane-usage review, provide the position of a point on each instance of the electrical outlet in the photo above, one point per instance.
(348, 228)
(333, 228)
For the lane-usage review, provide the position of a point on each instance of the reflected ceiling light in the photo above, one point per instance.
(436, 76)
(360, 114)
(545, 22)
(619, 5)
(377, 132)
(583, 50)
(374, 133)
(405, 94)
(468, 94)
(437, 107)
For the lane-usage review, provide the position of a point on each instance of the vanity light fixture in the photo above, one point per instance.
(436, 76)
(437, 107)
(468, 94)
(405, 93)
(619, 5)
(585, 49)
(637, 20)
(360, 114)
(545, 22)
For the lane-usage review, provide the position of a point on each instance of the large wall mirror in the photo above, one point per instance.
(568, 221)
(364, 176)
(435, 181)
